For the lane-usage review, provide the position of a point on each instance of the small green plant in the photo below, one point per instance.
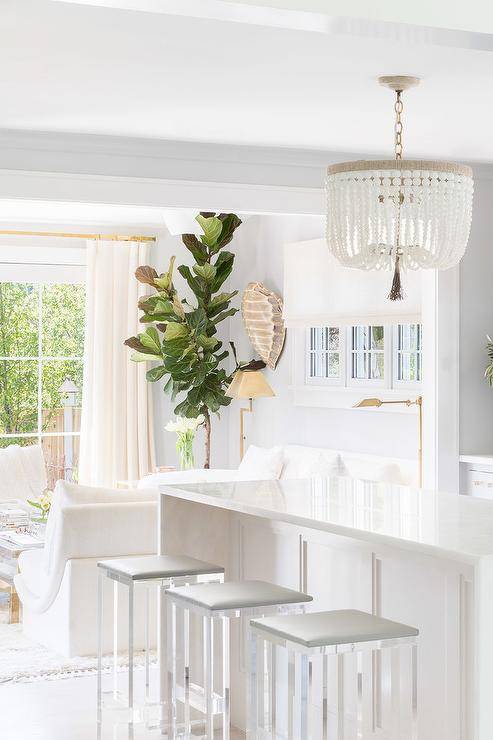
(488, 373)
(181, 337)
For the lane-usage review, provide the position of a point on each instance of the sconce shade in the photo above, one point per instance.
(319, 291)
(249, 384)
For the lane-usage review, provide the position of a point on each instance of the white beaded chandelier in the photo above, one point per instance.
(398, 213)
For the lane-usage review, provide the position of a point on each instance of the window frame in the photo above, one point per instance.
(386, 381)
(41, 275)
(322, 382)
(395, 362)
(345, 381)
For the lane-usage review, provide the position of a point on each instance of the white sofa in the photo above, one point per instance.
(58, 585)
(22, 472)
(298, 461)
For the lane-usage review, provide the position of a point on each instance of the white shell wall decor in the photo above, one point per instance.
(261, 309)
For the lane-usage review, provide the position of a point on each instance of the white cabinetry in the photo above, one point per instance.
(476, 475)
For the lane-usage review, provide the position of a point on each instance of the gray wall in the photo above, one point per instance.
(476, 321)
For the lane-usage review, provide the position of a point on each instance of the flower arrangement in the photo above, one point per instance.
(185, 431)
(43, 503)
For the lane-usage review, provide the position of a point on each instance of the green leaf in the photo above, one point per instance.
(211, 227)
(207, 343)
(195, 246)
(146, 274)
(151, 341)
(225, 314)
(155, 373)
(230, 223)
(193, 283)
(207, 272)
(175, 331)
(141, 357)
(224, 266)
(220, 302)
(197, 320)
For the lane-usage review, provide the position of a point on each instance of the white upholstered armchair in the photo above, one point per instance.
(58, 585)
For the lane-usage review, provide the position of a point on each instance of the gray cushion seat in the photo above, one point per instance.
(321, 629)
(148, 567)
(238, 595)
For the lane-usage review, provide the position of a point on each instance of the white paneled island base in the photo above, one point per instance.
(422, 558)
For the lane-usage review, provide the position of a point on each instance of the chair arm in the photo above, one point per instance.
(90, 531)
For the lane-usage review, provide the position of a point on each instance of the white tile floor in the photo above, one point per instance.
(61, 710)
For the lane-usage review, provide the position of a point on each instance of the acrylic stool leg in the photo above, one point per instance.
(304, 690)
(186, 672)
(359, 708)
(171, 668)
(115, 640)
(100, 641)
(147, 646)
(414, 691)
(273, 690)
(341, 720)
(208, 638)
(131, 647)
(291, 693)
(325, 701)
(226, 679)
(252, 689)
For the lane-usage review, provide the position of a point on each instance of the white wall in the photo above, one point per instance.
(258, 246)
(476, 321)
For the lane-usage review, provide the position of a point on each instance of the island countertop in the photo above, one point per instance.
(441, 524)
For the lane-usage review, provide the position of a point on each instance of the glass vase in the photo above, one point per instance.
(184, 447)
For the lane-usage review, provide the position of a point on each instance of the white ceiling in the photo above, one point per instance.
(69, 67)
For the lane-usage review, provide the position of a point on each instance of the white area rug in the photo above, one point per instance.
(23, 661)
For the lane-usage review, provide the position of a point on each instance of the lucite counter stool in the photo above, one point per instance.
(215, 604)
(154, 571)
(315, 638)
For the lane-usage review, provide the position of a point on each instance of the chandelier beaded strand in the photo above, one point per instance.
(401, 214)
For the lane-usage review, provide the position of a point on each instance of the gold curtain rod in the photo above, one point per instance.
(64, 234)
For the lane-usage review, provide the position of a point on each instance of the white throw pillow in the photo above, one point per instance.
(261, 463)
(390, 473)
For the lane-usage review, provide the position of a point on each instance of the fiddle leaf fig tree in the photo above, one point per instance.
(181, 336)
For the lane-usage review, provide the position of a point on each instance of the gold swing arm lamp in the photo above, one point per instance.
(248, 384)
(377, 402)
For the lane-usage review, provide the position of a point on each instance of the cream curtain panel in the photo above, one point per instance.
(117, 440)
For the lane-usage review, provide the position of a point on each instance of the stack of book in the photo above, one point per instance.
(13, 517)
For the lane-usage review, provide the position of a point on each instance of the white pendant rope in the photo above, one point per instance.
(398, 213)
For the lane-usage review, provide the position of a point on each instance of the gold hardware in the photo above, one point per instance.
(242, 432)
(377, 402)
(398, 107)
(65, 235)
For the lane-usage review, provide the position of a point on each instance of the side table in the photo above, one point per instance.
(9, 554)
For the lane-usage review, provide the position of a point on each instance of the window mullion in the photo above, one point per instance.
(40, 365)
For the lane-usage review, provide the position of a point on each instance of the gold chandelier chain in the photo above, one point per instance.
(398, 128)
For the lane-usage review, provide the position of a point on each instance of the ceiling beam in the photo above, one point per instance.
(306, 16)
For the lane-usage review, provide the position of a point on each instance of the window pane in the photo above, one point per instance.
(21, 441)
(333, 337)
(361, 337)
(377, 365)
(18, 396)
(63, 320)
(62, 458)
(377, 337)
(360, 364)
(18, 320)
(61, 395)
(333, 365)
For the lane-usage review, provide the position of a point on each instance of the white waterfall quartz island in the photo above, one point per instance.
(418, 557)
